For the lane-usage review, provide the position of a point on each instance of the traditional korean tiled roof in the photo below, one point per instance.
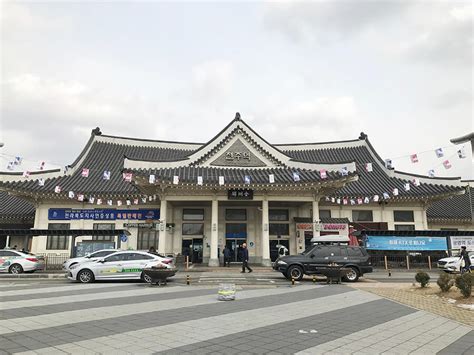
(15, 209)
(456, 208)
(323, 220)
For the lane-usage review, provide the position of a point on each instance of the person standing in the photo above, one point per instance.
(245, 258)
(465, 257)
(227, 255)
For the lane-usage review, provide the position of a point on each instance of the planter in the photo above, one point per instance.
(334, 274)
(158, 276)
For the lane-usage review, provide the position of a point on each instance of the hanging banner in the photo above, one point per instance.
(458, 241)
(66, 214)
(374, 242)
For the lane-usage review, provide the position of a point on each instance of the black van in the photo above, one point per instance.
(319, 256)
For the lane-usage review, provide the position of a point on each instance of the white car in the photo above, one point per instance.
(121, 265)
(453, 263)
(17, 262)
(99, 254)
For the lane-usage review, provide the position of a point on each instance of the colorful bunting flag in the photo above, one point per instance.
(150, 198)
(109, 202)
(386, 196)
(18, 160)
(338, 201)
(176, 180)
(439, 152)
(119, 203)
(407, 186)
(199, 180)
(26, 174)
(271, 178)
(447, 164)
(461, 153)
(71, 194)
(296, 177)
(333, 200)
(388, 163)
(353, 202)
(221, 180)
(376, 198)
(10, 165)
(360, 201)
(366, 200)
(128, 177)
(85, 172)
(344, 201)
(247, 179)
(144, 199)
(106, 175)
(99, 201)
(80, 197)
(41, 182)
(327, 199)
(368, 167)
(416, 182)
(431, 173)
(395, 192)
(323, 173)
(135, 201)
(151, 179)
(129, 203)
(414, 158)
(91, 199)
(344, 171)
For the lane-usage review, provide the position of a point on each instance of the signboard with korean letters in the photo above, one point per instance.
(66, 214)
(458, 241)
(374, 242)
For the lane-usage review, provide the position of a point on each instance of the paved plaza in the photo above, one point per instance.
(45, 317)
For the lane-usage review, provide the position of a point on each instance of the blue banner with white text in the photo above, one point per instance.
(66, 214)
(374, 242)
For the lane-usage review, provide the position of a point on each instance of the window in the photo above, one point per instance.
(236, 214)
(117, 257)
(147, 238)
(104, 227)
(138, 256)
(403, 216)
(324, 214)
(101, 254)
(362, 216)
(57, 242)
(404, 227)
(354, 252)
(193, 214)
(279, 229)
(8, 253)
(193, 228)
(278, 215)
(236, 230)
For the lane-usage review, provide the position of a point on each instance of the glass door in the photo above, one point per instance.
(235, 247)
(193, 249)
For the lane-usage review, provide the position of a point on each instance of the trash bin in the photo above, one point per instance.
(226, 292)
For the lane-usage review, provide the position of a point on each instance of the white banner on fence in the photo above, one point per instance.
(458, 241)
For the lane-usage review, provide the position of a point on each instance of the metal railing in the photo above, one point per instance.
(400, 261)
(54, 261)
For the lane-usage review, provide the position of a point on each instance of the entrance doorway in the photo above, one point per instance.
(193, 249)
(235, 247)
(308, 235)
(276, 248)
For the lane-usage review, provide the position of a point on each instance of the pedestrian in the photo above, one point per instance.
(465, 258)
(226, 256)
(152, 250)
(245, 258)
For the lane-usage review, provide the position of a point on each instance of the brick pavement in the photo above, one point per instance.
(133, 318)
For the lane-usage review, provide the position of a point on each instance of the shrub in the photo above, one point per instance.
(423, 278)
(464, 283)
(445, 282)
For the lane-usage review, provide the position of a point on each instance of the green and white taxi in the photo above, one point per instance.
(121, 265)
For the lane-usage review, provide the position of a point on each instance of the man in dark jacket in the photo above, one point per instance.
(227, 255)
(465, 258)
(245, 258)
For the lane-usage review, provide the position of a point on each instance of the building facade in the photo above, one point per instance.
(194, 199)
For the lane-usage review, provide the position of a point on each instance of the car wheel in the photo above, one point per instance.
(295, 272)
(352, 275)
(145, 278)
(85, 276)
(15, 269)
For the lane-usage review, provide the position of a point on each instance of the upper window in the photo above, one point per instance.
(103, 227)
(279, 229)
(278, 215)
(324, 214)
(193, 228)
(233, 214)
(362, 216)
(57, 242)
(404, 227)
(403, 216)
(193, 214)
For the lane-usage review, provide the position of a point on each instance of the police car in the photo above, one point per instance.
(121, 265)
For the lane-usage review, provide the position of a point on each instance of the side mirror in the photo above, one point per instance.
(101, 261)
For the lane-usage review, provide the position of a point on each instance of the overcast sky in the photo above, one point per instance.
(401, 71)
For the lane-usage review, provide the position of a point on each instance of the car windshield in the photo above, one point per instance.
(307, 250)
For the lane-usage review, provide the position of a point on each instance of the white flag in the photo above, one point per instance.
(65, 169)
(26, 174)
(151, 179)
(344, 201)
(461, 153)
(407, 186)
(360, 201)
(416, 182)
(376, 198)
(439, 152)
(344, 171)
(106, 175)
(366, 200)
(135, 201)
(119, 203)
(388, 163)
(71, 194)
(99, 201)
(431, 173)
(247, 179)
(128, 177)
(414, 158)
(296, 177)
(386, 195)
(221, 180)
(91, 199)
(327, 199)
(57, 189)
(80, 197)
(395, 192)
(10, 165)
(85, 172)
(271, 178)
(353, 202)
(129, 203)
(199, 180)
(176, 180)
(338, 201)
(41, 165)
(110, 202)
(18, 160)
(368, 167)
(447, 164)
(41, 182)
(144, 199)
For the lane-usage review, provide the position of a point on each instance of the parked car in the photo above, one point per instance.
(452, 264)
(90, 257)
(17, 262)
(321, 256)
(121, 265)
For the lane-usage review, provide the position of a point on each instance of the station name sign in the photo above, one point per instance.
(240, 194)
(66, 214)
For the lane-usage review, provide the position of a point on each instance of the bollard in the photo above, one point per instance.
(314, 279)
(292, 281)
(187, 280)
(429, 261)
(389, 272)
